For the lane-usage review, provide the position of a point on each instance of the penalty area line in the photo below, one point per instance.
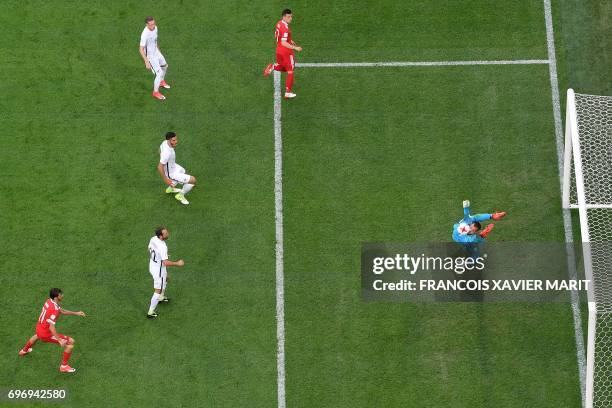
(419, 63)
(278, 216)
(278, 181)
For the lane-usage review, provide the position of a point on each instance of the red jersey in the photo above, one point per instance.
(48, 316)
(283, 32)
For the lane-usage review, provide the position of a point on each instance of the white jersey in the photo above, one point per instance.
(167, 157)
(158, 252)
(148, 39)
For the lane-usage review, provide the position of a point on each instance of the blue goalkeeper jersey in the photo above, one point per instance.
(461, 228)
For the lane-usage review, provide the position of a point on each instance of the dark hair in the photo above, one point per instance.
(286, 11)
(148, 19)
(478, 225)
(159, 231)
(170, 135)
(55, 292)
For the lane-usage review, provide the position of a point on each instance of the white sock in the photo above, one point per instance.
(186, 188)
(154, 302)
(164, 69)
(158, 78)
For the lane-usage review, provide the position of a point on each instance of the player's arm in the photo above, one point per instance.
(160, 168)
(144, 57)
(168, 262)
(466, 208)
(291, 46)
(71, 313)
(143, 54)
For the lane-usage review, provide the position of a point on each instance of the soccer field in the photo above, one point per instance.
(369, 154)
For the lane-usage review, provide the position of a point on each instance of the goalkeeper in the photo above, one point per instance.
(468, 229)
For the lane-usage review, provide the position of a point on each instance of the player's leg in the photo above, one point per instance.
(157, 288)
(268, 69)
(289, 79)
(154, 301)
(187, 181)
(159, 75)
(188, 185)
(498, 215)
(162, 295)
(157, 70)
(481, 217)
(65, 368)
(164, 66)
(290, 70)
(280, 64)
(473, 250)
(28, 346)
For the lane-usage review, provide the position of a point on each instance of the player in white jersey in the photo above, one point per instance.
(153, 58)
(171, 172)
(158, 261)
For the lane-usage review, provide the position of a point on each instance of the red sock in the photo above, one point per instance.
(66, 358)
(289, 82)
(27, 346)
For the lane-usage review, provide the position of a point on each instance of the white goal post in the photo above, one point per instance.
(587, 186)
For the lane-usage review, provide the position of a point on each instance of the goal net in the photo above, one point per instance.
(588, 188)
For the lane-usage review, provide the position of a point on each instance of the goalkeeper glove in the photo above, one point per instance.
(466, 203)
(486, 231)
(498, 215)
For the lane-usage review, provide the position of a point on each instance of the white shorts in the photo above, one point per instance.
(159, 280)
(178, 175)
(157, 61)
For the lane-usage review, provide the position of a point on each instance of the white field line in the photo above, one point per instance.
(551, 61)
(416, 63)
(278, 199)
(567, 220)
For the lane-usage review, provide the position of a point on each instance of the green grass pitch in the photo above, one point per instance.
(369, 155)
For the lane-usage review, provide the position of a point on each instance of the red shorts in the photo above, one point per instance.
(47, 337)
(285, 61)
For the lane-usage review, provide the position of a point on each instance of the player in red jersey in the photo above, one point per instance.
(285, 48)
(45, 329)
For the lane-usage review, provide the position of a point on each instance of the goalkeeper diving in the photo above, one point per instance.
(469, 229)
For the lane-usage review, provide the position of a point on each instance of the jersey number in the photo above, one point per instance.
(153, 256)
